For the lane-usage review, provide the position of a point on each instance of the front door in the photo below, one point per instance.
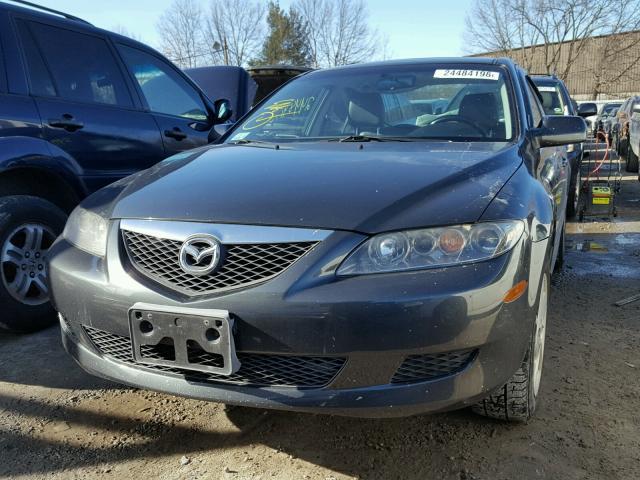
(175, 103)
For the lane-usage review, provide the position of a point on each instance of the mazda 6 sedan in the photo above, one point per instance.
(338, 250)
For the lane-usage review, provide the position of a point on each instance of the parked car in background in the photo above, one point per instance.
(243, 88)
(335, 253)
(557, 101)
(620, 133)
(633, 150)
(607, 124)
(604, 113)
(80, 108)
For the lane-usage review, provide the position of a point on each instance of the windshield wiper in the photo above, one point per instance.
(256, 143)
(370, 138)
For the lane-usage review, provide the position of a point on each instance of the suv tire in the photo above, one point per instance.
(516, 400)
(28, 227)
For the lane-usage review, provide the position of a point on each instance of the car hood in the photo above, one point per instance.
(370, 187)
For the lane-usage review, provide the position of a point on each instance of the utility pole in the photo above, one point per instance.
(226, 51)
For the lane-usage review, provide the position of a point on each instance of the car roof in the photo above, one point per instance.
(427, 60)
(546, 80)
(47, 14)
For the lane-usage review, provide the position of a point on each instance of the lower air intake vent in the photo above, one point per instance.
(256, 369)
(416, 368)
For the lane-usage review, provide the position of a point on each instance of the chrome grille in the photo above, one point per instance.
(255, 369)
(416, 368)
(243, 264)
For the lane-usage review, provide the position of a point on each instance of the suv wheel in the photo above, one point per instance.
(28, 227)
(516, 400)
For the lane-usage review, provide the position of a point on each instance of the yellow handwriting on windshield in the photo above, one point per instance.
(279, 109)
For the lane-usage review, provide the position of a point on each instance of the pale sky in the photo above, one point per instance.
(415, 28)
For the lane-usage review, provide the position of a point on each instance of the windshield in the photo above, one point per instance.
(609, 108)
(552, 100)
(394, 102)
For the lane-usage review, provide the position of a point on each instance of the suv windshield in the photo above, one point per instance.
(552, 100)
(394, 102)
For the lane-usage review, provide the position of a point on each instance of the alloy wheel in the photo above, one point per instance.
(23, 259)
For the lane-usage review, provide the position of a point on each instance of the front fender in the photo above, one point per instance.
(523, 197)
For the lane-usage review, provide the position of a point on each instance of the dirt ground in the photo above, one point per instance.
(58, 422)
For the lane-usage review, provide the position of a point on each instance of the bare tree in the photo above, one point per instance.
(560, 30)
(234, 30)
(181, 33)
(614, 60)
(339, 32)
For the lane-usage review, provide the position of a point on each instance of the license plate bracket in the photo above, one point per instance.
(185, 338)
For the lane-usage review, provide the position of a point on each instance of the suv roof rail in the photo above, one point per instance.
(48, 10)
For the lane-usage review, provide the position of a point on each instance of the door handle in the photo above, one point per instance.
(66, 122)
(176, 134)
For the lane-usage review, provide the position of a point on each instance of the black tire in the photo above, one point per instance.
(19, 211)
(573, 200)
(622, 151)
(631, 164)
(517, 399)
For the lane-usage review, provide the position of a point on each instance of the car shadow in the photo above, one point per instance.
(415, 447)
(39, 359)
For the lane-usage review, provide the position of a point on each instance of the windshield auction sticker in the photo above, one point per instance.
(475, 74)
(546, 89)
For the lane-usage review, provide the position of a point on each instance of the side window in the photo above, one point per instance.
(72, 65)
(40, 79)
(534, 101)
(164, 89)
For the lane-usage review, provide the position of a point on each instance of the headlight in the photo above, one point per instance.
(87, 231)
(432, 247)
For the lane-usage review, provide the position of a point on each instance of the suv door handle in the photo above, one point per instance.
(66, 122)
(176, 134)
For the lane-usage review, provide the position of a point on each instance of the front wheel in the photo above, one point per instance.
(28, 227)
(516, 400)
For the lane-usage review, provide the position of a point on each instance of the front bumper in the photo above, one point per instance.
(373, 322)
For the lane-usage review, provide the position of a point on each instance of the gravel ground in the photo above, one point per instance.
(58, 422)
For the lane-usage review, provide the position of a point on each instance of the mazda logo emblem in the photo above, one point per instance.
(200, 254)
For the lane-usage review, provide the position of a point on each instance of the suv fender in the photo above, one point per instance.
(26, 156)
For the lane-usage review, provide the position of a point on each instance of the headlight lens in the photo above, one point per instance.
(87, 231)
(432, 247)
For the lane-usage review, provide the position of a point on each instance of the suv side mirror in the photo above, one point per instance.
(223, 110)
(560, 130)
(587, 109)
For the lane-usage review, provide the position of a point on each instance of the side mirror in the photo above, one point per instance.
(559, 130)
(587, 109)
(223, 110)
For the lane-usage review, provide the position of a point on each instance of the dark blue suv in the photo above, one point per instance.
(80, 107)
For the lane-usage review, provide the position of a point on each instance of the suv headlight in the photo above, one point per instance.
(432, 247)
(87, 231)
